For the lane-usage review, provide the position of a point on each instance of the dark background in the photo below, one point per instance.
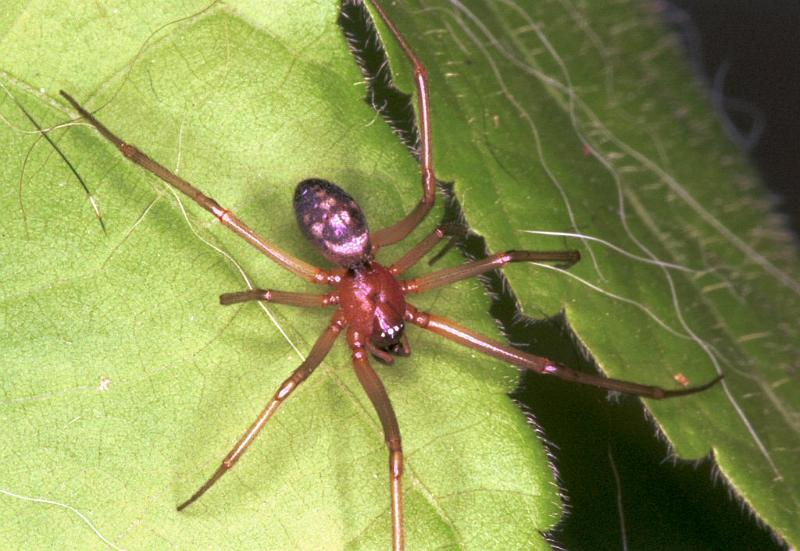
(748, 51)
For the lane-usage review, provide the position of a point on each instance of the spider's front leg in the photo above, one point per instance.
(315, 357)
(391, 430)
(471, 339)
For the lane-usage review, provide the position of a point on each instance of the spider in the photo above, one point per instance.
(369, 299)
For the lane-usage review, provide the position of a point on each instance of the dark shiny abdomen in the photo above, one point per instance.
(332, 221)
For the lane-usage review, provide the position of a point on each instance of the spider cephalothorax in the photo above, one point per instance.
(373, 298)
(369, 298)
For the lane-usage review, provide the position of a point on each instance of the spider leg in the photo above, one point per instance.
(465, 337)
(304, 300)
(399, 230)
(422, 248)
(226, 217)
(446, 276)
(315, 357)
(391, 431)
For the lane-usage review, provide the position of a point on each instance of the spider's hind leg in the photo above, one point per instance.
(399, 230)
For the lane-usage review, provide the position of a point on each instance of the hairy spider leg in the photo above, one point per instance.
(226, 217)
(399, 230)
(315, 357)
(470, 339)
(391, 430)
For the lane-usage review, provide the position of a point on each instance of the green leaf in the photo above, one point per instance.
(125, 382)
(245, 101)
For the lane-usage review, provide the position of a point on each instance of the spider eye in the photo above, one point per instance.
(387, 335)
(332, 221)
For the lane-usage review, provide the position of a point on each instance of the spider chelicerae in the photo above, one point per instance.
(369, 299)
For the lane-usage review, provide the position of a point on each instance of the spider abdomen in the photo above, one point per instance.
(332, 221)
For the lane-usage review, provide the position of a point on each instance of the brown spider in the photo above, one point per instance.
(370, 299)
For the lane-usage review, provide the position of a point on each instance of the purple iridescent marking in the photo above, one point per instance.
(332, 221)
